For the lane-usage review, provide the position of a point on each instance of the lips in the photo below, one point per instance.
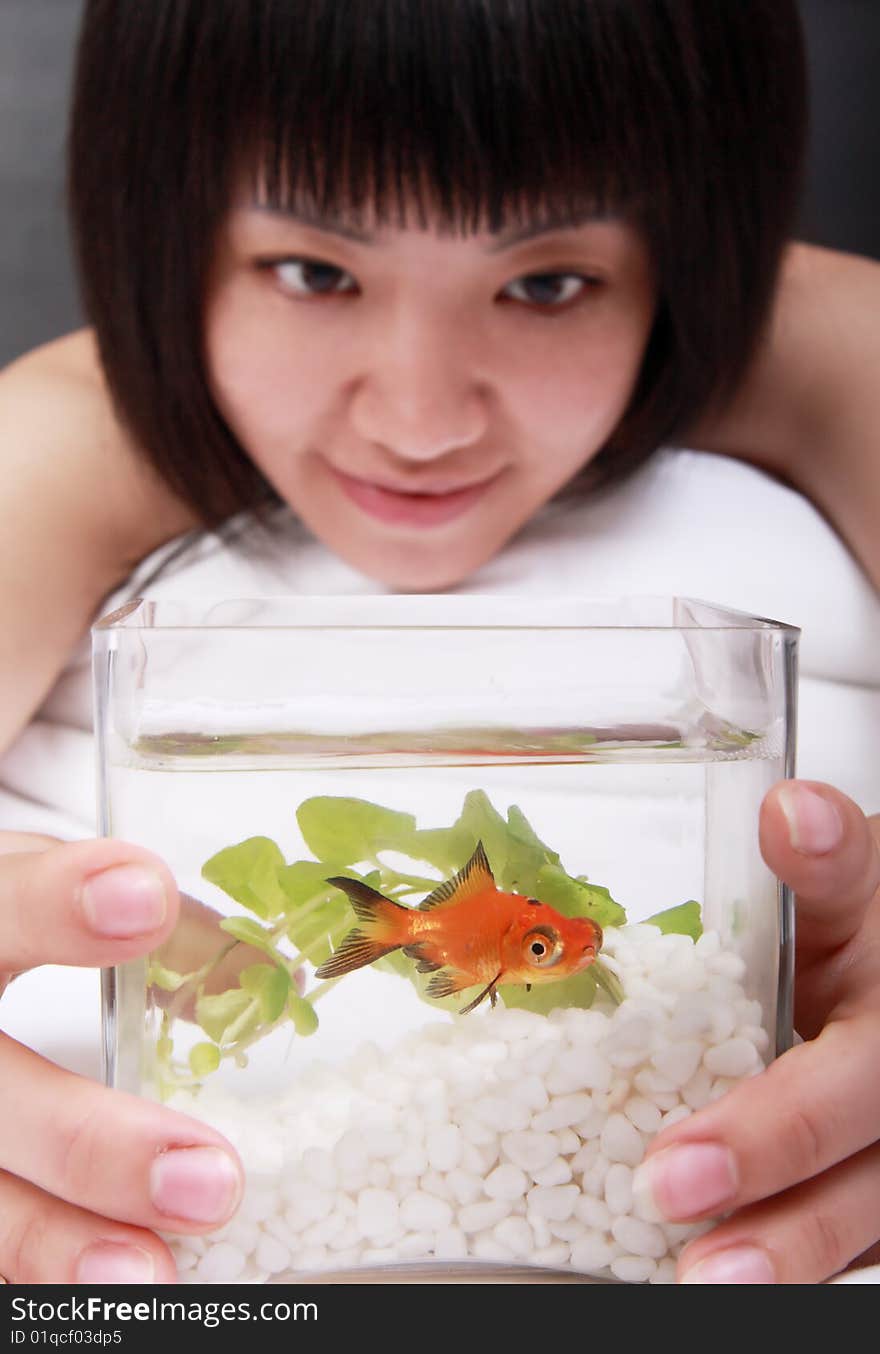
(403, 507)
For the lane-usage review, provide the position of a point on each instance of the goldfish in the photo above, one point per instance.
(466, 932)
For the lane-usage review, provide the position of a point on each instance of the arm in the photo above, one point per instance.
(808, 410)
(80, 510)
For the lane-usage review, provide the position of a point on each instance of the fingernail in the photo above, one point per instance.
(737, 1264)
(682, 1182)
(128, 900)
(814, 825)
(200, 1184)
(110, 1263)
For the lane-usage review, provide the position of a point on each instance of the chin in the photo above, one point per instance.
(414, 575)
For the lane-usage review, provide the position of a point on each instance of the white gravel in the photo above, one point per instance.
(501, 1136)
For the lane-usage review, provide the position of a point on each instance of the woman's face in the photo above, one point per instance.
(416, 396)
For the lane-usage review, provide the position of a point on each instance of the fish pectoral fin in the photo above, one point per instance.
(488, 991)
(424, 964)
(447, 982)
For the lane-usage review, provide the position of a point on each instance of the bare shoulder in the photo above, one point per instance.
(80, 509)
(64, 454)
(808, 409)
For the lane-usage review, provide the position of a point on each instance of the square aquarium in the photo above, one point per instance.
(472, 907)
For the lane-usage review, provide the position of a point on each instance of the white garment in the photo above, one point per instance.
(686, 523)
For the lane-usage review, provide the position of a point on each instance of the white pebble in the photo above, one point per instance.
(444, 1145)
(505, 1116)
(271, 1255)
(450, 1244)
(480, 1216)
(678, 1062)
(557, 1173)
(434, 1183)
(516, 1235)
(425, 1212)
(591, 1253)
(530, 1091)
(562, 1112)
(733, 1058)
(378, 1212)
(643, 1113)
(639, 1238)
(530, 1151)
(464, 1186)
(552, 1256)
(665, 1272)
(415, 1245)
(221, 1263)
(593, 1213)
(696, 1092)
(633, 1268)
(506, 1182)
(618, 1188)
(622, 1141)
(583, 1070)
(554, 1202)
(487, 1248)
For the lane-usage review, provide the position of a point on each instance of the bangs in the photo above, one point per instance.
(470, 114)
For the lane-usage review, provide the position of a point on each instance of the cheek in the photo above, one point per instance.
(568, 402)
(267, 385)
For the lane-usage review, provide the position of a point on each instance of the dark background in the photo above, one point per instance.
(841, 205)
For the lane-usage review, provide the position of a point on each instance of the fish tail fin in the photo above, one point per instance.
(385, 927)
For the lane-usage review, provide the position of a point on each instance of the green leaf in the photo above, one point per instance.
(165, 978)
(248, 873)
(526, 854)
(204, 1058)
(352, 830)
(218, 1014)
(683, 920)
(303, 1014)
(480, 821)
(305, 882)
(270, 984)
(242, 928)
(578, 990)
(576, 898)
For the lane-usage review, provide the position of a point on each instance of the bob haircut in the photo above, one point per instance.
(685, 117)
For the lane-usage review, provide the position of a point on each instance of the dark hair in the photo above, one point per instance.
(686, 116)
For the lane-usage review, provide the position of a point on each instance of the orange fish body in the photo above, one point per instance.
(466, 932)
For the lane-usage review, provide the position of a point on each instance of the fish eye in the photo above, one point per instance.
(542, 947)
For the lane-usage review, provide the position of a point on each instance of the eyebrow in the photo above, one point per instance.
(506, 239)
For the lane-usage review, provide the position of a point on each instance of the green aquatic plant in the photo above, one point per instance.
(296, 918)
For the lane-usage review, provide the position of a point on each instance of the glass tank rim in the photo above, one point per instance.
(194, 614)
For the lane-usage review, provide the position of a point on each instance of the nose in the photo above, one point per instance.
(419, 395)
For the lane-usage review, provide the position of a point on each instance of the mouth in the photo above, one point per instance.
(404, 507)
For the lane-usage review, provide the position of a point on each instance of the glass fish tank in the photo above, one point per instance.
(472, 908)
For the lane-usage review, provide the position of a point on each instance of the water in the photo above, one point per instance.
(655, 825)
(656, 820)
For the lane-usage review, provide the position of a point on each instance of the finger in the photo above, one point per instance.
(802, 1236)
(92, 903)
(812, 1108)
(819, 842)
(117, 1155)
(45, 1240)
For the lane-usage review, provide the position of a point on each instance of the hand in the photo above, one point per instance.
(88, 1172)
(793, 1154)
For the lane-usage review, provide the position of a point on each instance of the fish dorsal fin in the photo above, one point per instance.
(476, 877)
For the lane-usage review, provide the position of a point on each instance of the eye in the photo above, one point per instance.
(552, 291)
(309, 277)
(542, 947)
